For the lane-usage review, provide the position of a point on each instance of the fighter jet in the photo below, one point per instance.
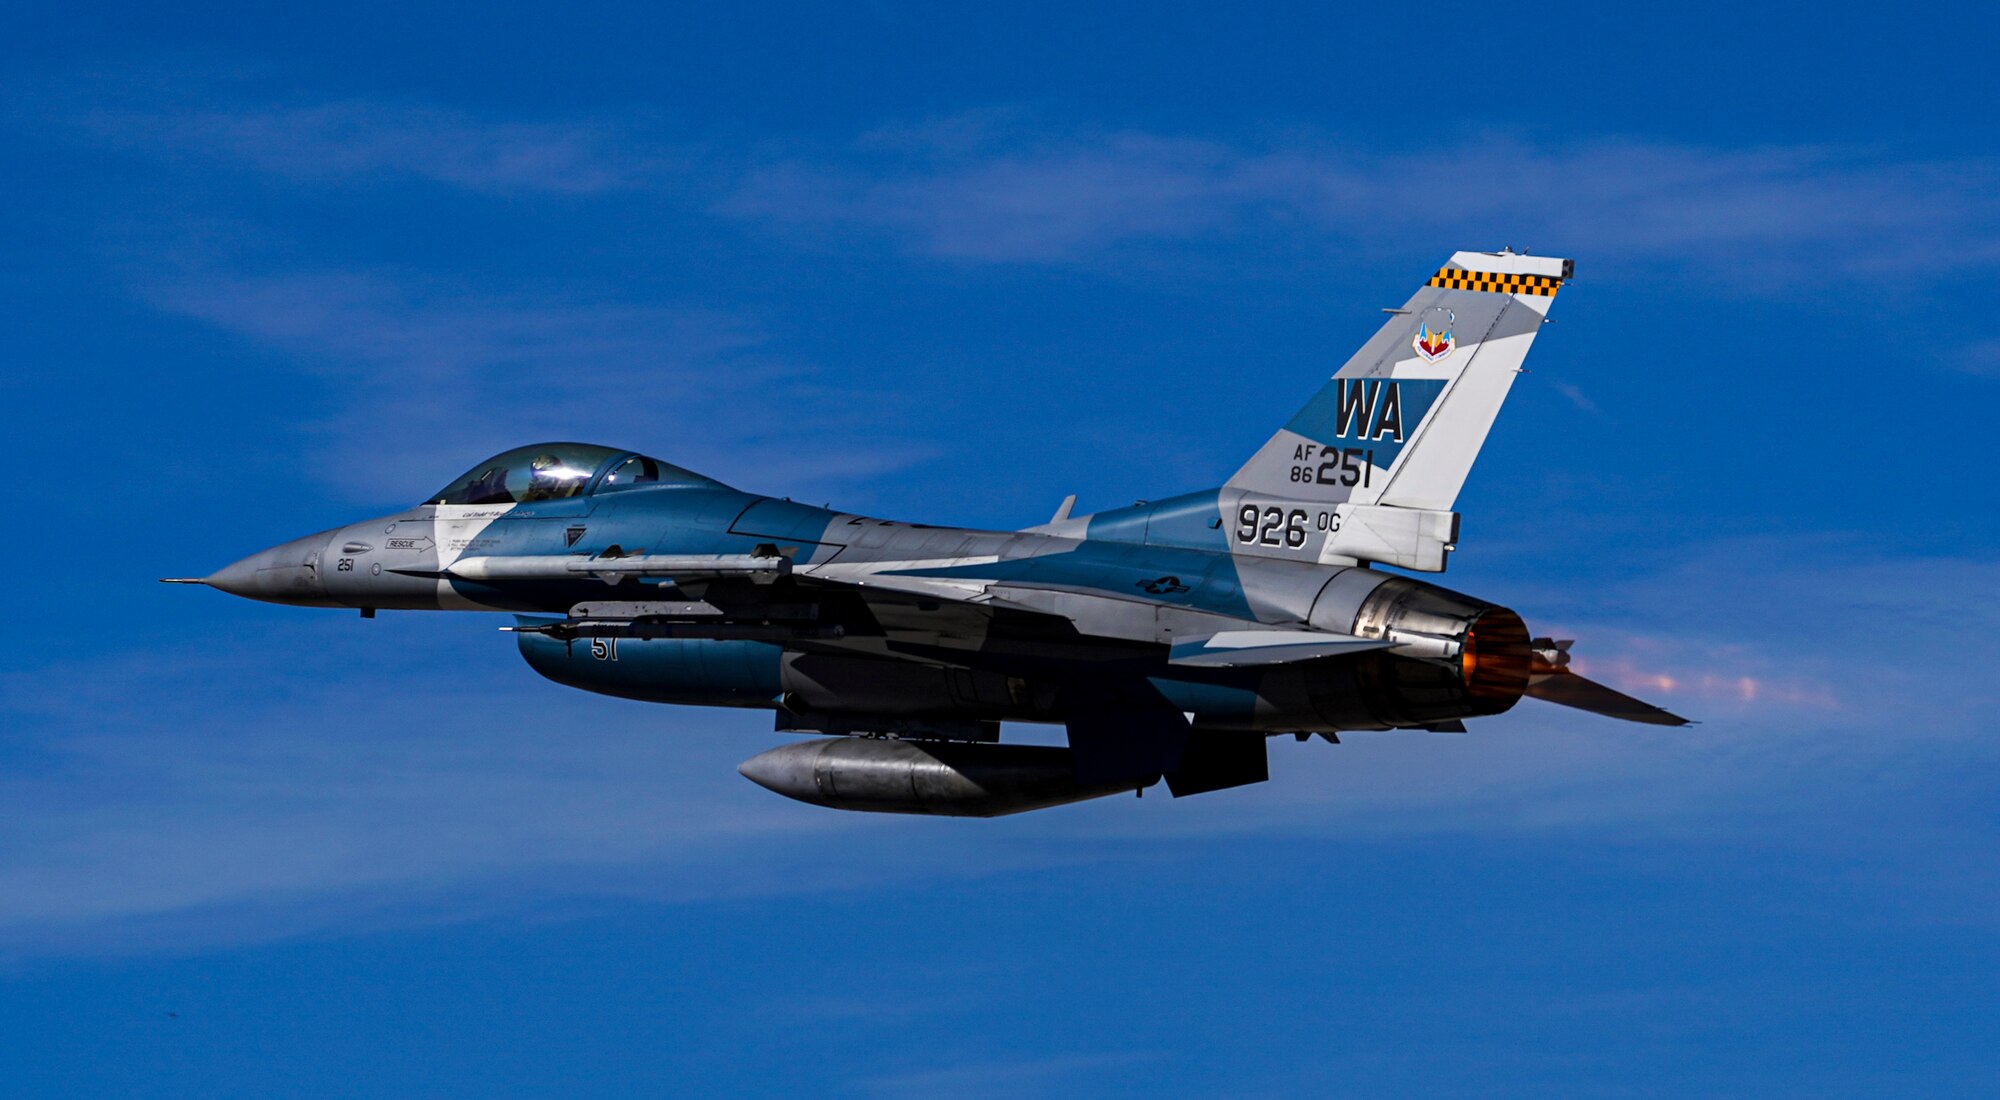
(1170, 638)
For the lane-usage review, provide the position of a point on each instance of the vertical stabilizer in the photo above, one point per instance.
(1400, 423)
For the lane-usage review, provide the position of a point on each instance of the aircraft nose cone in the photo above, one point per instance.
(286, 573)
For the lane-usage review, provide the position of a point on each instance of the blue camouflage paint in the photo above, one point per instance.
(787, 522)
(662, 520)
(1378, 414)
(1191, 520)
(1204, 581)
(698, 671)
(698, 521)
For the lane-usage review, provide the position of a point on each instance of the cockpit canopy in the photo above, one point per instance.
(553, 471)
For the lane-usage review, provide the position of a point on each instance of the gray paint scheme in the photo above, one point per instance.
(1169, 637)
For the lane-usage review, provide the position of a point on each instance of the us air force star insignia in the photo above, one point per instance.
(1433, 340)
(1164, 586)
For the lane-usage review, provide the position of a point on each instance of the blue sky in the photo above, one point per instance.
(269, 271)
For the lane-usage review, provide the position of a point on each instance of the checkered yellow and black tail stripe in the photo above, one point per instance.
(1454, 278)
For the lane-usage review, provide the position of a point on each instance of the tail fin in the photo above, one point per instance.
(1401, 422)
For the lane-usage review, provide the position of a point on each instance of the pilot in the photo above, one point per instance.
(550, 479)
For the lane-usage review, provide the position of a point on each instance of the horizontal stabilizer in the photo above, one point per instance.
(1238, 648)
(1566, 689)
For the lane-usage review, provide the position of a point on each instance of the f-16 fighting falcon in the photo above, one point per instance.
(1171, 638)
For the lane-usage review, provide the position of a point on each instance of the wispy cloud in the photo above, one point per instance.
(361, 139)
(362, 325)
(1057, 204)
(458, 783)
(151, 817)
(1005, 187)
(144, 815)
(1578, 398)
(1815, 665)
(1006, 194)
(425, 375)
(1981, 358)
(1664, 681)
(1808, 629)
(1068, 1073)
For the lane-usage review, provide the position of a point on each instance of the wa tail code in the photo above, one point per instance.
(1370, 405)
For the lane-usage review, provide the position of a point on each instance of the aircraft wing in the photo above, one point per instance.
(735, 604)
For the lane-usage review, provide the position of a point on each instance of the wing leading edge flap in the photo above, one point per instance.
(1240, 648)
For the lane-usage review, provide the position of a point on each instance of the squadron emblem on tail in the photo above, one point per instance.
(1433, 339)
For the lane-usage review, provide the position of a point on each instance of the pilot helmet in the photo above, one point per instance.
(549, 476)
